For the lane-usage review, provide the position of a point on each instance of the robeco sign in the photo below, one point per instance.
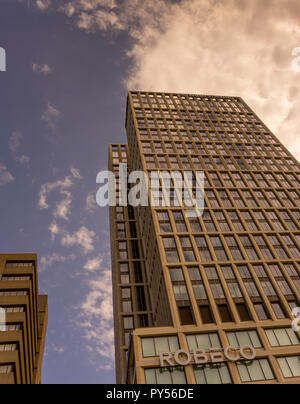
(202, 356)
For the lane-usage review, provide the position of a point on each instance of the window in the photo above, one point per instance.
(290, 366)
(261, 312)
(282, 337)
(155, 346)
(18, 264)
(203, 341)
(292, 246)
(212, 375)
(243, 312)
(258, 370)
(247, 243)
(141, 298)
(16, 278)
(181, 293)
(278, 247)
(206, 314)
(187, 248)
(186, 315)
(236, 221)
(267, 254)
(203, 249)
(241, 338)
(247, 216)
(225, 314)
(164, 222)
(174, 375)
(208, 221)
(8, 347)
(127, 307)
(176, 274)
(278, 311)
(225, 199)
(180, 222)
(234, 248)
(123, 254)
(221, 219)
(5, 369)
(171, 249)
(219, 249)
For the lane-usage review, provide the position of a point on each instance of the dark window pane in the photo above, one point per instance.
(225, 313)
(186, 316)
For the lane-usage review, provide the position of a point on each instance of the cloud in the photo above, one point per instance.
(76, 173)
(95, 320)
(15, 141)
(61, 185)
(91, 204)
(82, 238)
(42, 69)
(51, 115)
(63, 208)
(228, 47)
(50, 260)
(5, 176)
(54, 230)
(43, 5)
(93, 264)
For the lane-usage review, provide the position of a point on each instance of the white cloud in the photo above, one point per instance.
(42, 69)
(95, 320)
(82, 238)
(15, 141)
(93, 264)
(51, 115)
(43, 4)
(228, 47)
(54, 230)
(63, 208)
(50, 260)
(76, 173)
(5, 176)
(91, 204)
(61, 185)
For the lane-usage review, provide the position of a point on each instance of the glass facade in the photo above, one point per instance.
(235, 269)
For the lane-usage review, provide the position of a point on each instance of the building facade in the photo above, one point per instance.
(23, 320)
(221, 289)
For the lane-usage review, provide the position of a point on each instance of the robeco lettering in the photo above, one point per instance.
(202, 356)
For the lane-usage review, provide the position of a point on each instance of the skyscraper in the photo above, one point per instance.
(206, 298)
(23, 320)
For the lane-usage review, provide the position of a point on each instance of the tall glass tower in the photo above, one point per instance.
(210, 298)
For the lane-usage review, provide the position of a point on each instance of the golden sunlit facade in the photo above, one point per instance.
(223, 287)
(23, 333)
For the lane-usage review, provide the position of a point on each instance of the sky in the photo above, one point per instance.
(69, 65)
